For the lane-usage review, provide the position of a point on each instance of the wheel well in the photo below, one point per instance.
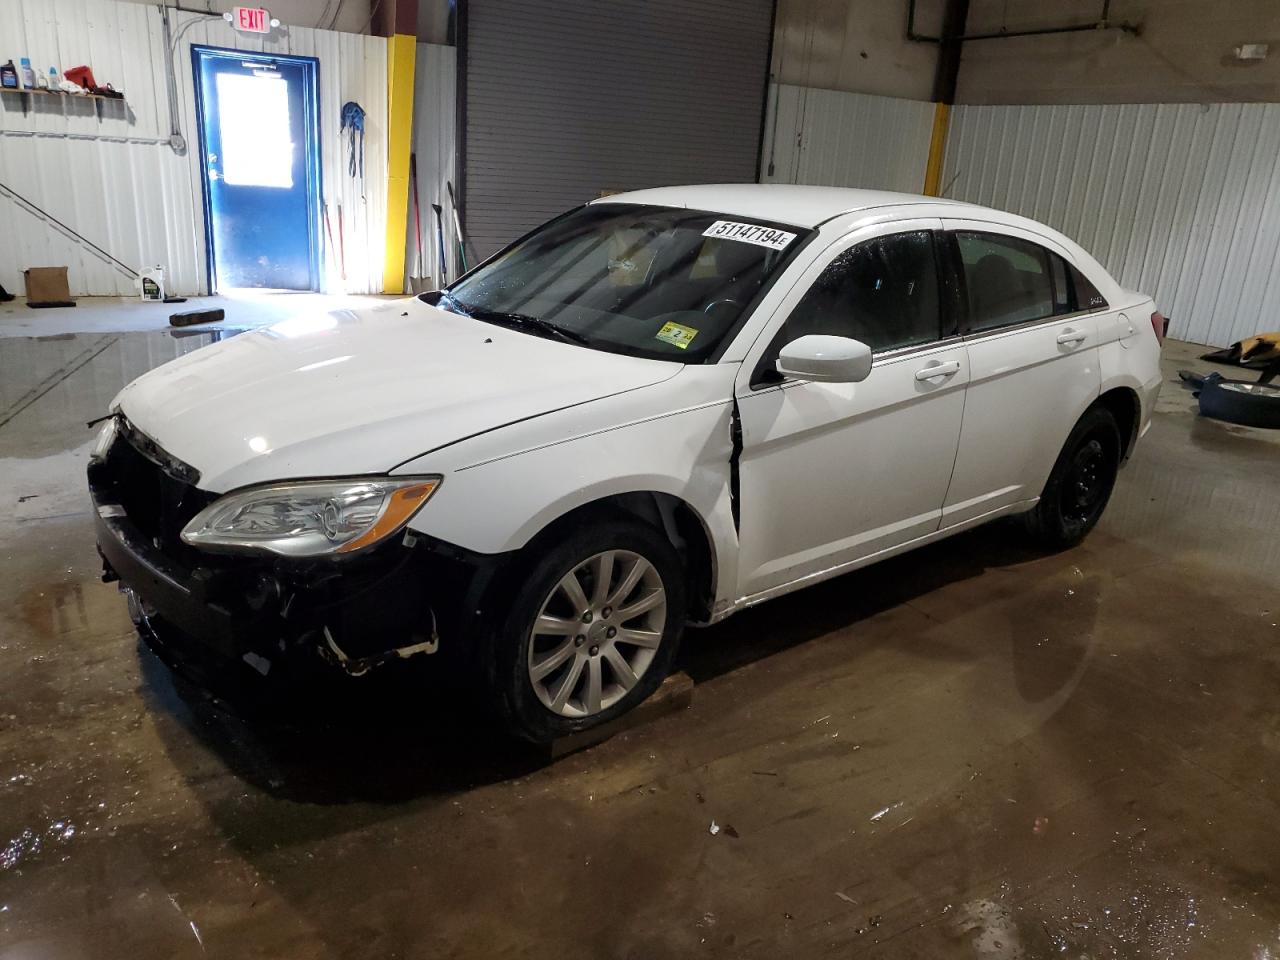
(1124, 405)
(668, 514)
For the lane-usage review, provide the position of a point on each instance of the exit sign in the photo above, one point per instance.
(251, 19)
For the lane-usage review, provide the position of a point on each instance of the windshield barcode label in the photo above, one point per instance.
(749, 233)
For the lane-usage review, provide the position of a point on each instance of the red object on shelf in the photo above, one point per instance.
(82, 76)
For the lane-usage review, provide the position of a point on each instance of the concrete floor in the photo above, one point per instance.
(973, 751)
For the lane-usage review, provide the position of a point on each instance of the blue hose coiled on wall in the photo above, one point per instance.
(353, 124)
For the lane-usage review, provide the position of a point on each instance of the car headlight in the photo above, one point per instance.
(309, 518)
(103, 442)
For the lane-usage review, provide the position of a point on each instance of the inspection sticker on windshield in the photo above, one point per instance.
(676, 334)
(749, 233)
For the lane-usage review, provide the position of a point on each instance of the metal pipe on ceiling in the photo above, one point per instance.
(1102, 23)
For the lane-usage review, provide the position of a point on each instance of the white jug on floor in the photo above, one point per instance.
(151, 282)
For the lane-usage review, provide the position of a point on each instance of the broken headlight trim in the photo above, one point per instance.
(312, 518)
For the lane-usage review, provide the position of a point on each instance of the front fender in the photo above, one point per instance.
(499, 505)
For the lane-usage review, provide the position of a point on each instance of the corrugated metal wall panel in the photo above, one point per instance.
(352, 67)
(434, 136)
(566, 98)
(1181, 201)
(838, 139)
(79, 160)
(108, 172)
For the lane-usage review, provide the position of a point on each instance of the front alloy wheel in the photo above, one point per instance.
(597, 633)
(590, 628)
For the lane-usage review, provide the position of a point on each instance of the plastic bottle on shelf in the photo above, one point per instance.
(53, 80)
(28, 75)
(9, 76)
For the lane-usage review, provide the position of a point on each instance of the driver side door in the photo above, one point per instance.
(836, 473)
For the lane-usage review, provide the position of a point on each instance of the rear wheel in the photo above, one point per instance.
(591, 630)
(1080, 484)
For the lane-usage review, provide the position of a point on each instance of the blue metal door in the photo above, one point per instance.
(259, 147)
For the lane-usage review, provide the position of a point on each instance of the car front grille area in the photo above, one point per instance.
(368, 605)
(157, 492)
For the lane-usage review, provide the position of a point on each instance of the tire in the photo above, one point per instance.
(1080, 483)
(597, 640)
(1242, 402)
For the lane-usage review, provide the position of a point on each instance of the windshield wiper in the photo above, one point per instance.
(526, 322)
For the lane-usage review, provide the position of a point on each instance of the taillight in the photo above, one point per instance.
(1160, 325)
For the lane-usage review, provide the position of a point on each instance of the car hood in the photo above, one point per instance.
(360, 391)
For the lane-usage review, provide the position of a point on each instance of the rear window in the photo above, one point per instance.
(1087, 295)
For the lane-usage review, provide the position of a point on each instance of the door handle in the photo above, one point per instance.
(1069, 336)
(935, 370)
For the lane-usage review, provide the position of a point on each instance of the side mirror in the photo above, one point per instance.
(825, 359)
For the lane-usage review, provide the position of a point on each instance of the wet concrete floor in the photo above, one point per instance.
(973, 751)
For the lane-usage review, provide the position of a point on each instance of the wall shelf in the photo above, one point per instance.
(26, 94)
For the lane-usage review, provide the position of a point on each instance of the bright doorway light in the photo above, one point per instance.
(253, 117)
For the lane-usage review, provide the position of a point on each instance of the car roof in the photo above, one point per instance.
(801, 206)
(805, 206)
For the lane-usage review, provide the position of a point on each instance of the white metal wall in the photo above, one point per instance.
(839, 139)
(108, 171)
(434, 136)
(1181, 201)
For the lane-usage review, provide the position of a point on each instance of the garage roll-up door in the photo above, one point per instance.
(569, 98)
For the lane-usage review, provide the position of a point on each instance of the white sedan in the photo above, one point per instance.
(656, 409)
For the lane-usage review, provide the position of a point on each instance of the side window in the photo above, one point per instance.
(883, 292)
(1087, 295)
(1008, 280)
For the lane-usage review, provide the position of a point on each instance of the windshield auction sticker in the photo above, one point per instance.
(749, 233)
(676, 334)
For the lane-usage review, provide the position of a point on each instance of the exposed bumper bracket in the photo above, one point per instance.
(359, 666)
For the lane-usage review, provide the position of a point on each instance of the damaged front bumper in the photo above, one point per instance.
(402, 600)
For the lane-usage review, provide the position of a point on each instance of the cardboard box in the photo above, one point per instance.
(48, 287)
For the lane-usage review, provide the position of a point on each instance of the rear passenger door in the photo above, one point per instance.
(1032, 339)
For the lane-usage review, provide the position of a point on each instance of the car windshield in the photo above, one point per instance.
(655, 282)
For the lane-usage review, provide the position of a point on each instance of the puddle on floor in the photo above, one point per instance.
(51, 386)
